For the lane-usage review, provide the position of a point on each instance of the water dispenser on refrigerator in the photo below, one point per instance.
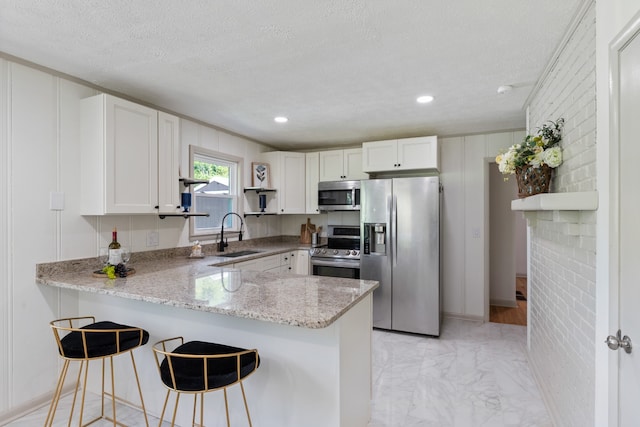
(375, 239)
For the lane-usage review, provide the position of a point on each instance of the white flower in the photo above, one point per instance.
(553, 156)
(537, 160)
(506, 162)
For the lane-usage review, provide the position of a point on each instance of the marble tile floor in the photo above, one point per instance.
(475, 374)
(126, 414)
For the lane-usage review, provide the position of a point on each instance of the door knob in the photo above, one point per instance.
(617, 341)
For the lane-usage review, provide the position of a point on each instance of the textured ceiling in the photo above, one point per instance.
(342, 71)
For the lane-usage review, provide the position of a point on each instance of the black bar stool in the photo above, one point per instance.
(94, 340)
(198, 367)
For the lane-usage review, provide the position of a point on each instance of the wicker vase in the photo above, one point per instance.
(533, 180)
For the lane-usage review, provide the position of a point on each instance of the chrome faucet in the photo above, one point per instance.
(222, 243)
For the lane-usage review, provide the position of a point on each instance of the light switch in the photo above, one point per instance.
(56, 201)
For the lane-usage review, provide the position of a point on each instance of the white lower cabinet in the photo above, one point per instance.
(267, 263)
(294, 262)
(271, 263)
(286, 260)
(301, 262)
(252, 265)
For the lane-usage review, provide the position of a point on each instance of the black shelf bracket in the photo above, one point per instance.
(182, 214)
(191, 181)
(258, 214)
(259, 190)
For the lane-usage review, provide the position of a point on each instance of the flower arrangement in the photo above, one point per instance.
(535, 150)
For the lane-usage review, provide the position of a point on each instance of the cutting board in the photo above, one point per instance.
(306, 230)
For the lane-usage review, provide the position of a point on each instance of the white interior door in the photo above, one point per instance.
(627, 92)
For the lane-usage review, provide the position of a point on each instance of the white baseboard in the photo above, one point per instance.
(30, 406)
(504, 303)
(463, 317)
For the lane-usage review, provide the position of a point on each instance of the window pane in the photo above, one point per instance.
(217, 207)
(219, 195)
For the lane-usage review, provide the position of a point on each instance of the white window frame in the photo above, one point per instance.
(235, 187)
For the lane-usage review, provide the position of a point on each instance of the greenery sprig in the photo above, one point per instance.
(535, 150)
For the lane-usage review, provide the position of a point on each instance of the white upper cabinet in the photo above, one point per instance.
(119, 167)
(401, 154)
(287, 171)
(168, 163)
(312, 167)
(338, 165)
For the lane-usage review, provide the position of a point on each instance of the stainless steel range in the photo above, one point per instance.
(340, 257)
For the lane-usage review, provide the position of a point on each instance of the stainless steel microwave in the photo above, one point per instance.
(339, 196)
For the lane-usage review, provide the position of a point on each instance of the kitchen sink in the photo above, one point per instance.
(237, 254)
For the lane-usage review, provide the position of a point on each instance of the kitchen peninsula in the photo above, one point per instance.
(313, 333)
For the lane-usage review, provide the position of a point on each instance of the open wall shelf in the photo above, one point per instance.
(576, 201)
(259, 190)
(182, 214)
(256, 214)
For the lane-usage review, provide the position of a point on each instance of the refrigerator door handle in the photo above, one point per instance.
(394, 229)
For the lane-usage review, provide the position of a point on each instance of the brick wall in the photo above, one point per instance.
(562, 253)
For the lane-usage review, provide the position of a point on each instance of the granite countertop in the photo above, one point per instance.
(211, 284)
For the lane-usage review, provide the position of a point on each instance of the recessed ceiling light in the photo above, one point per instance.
(424, 99)
(281, 119)
(504, 89)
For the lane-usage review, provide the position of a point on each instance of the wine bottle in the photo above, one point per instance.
(115, 256)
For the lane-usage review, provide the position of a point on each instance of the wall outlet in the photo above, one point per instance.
(153, 239)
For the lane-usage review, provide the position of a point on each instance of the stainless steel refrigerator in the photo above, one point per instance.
(400, 247)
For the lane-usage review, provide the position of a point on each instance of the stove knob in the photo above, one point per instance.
(335, 252)
(354, 252)
(324, 251)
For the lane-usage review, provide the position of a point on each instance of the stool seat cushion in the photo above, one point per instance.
(189, 372)
(100, 344)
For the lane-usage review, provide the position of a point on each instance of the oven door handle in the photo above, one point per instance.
(336, 263)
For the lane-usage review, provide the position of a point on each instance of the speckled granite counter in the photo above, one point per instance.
(313, 333)
(207, 285)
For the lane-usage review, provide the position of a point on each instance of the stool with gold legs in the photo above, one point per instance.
(83, 339)
(198, 367)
